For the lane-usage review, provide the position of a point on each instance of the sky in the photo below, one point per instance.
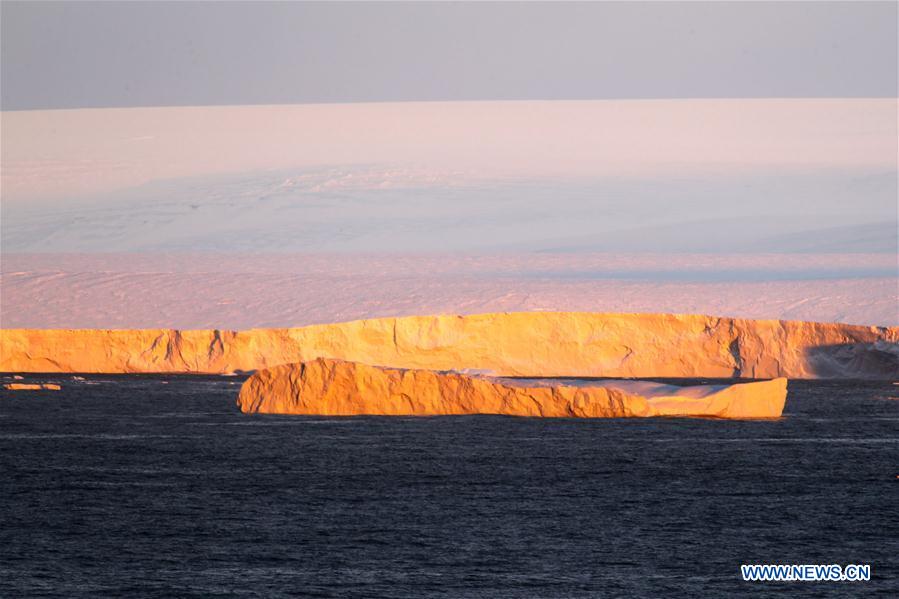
(699, 136)
(118, 54)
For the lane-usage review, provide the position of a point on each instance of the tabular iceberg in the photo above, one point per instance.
(339, 388)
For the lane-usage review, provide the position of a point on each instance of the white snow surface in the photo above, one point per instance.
(255, 216)
(241, 291)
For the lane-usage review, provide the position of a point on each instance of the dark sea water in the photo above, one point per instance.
(157, 486)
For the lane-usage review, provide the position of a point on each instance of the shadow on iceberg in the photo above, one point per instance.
(877, 360)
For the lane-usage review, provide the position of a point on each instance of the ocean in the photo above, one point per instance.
(157, 486)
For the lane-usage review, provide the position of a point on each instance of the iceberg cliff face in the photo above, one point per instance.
(338, 388)
(536, 344)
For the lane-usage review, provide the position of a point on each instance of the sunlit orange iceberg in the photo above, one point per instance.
(31, 387)
(339, 388)
(534, 344)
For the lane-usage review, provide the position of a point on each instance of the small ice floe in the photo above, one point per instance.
(32, 387)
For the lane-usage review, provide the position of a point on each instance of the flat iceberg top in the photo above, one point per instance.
(647, 389)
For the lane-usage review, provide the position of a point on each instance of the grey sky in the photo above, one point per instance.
(85, 54)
